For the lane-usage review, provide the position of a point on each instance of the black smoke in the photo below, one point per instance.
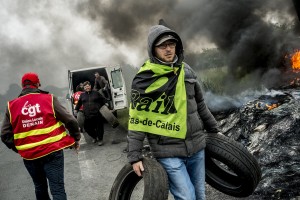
(53, 36)
(240, 29)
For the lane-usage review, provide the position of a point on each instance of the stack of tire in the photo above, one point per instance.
(230, 168)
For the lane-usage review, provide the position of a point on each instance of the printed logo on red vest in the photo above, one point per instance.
(31, 110)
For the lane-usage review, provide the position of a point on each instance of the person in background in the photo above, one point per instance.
(75, 98)
(92, 101)
(35, 126)
(100, 82)
(168, 108)
(101, 85)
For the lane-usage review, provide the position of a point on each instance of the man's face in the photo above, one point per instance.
(97, 75)
(87, 88)
(166, 51)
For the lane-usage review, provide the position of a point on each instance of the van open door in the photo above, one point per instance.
(117, 87)
(70, 106)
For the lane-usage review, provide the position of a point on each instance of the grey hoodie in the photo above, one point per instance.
(199, 117)
(154, 33)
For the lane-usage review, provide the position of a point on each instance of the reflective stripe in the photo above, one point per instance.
(37, 131)
(46, 141)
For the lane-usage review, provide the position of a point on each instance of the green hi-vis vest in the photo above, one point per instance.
(158, 101)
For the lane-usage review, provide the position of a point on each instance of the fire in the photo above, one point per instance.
(295, 59)
(266, 106)
(270, 107)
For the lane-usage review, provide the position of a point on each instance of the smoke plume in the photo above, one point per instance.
(51, 37)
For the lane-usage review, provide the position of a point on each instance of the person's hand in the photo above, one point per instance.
(138, 168)
(76, 146)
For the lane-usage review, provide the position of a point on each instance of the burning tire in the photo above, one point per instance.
(230, 168)
(154, 177)
(109, 116)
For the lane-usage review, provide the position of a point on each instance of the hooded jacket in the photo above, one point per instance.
(199, 118)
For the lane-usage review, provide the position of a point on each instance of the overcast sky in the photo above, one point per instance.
(51, 37)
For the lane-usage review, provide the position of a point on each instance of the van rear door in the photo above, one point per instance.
(118, 88)
(70, 107)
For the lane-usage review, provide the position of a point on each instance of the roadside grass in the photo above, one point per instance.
(213, 79)
(123, 117)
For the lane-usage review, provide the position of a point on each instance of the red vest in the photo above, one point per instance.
(76, 96)
(37, 132)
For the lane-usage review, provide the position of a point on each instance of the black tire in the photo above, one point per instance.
(109, 116)
(230, 167)
(154, 177)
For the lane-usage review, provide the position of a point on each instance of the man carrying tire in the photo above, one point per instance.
(92, 101)
(168, 108)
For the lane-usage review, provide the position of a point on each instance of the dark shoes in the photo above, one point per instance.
(94, 140)
(100, 143)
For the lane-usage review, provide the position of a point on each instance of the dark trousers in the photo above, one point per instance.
(80, 120)
(49, 167)
(94, 126)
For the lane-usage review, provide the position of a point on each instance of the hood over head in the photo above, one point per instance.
(155, 33)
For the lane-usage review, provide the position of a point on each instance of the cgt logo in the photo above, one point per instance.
(31, 110)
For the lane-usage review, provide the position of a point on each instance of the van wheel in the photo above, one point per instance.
(230, 167)
(109, 116)
(155, 182)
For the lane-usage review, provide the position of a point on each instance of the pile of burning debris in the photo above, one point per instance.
(271, 132)
(269, 127)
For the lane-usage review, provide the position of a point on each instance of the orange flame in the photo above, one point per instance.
(295, 59)
(262, 106)
(270, 107)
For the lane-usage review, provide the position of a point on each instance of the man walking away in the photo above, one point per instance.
(35, 126)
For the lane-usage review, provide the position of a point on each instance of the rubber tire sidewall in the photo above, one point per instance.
(155, 182)
(238, 158)
(109, 116)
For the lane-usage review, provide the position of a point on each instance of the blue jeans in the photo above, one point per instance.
(186, 176)
(49, 167)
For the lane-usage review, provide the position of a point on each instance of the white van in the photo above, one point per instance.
(113, 74)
